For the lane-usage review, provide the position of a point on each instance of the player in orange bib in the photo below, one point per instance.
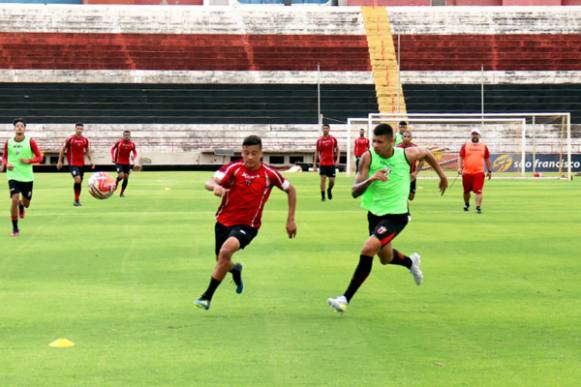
(473, 155)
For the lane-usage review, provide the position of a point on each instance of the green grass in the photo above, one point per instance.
(500, 304)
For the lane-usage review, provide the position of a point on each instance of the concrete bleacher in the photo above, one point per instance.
(191, 71)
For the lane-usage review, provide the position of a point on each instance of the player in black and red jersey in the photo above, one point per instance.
(122, 153)
(244, 187)
(76, 146)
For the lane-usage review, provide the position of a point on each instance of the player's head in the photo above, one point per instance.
(361, 132)
(475, 135)
(79, 127)
(326, 129)
(407, 137)
(382, 138)
(252, 151)
(403, 126)
(19, 125)
(126, 135)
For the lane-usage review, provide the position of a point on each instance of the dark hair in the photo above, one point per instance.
(403, 123)
(252, 140)
(127, 131)
(327, 125)
(17, 120)
(383, 130)
(79, 124)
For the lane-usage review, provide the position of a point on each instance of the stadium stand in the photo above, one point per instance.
(184, 68)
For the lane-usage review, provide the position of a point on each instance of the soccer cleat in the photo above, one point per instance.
(202, 304)
(121, 195)
(76, 203)
(415, 269)
(339, 304)
(15, 233)
(466, 208)
(330, 194)
(478, 210)
(21, 211)
(237, 277)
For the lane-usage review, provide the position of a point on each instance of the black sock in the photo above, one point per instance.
(478, 208)
(20, 207)
(329, 193)
(209, 293)
(359, 276)
(15, 224)
(322, 195)
(466, 204)
(118, 180)
(401, 259)
(124, 185)
(236, 275)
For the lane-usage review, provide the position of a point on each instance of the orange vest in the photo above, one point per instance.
(474, 158)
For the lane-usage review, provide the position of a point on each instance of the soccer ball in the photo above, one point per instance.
(101, 185)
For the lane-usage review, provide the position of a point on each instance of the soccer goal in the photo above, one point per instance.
(521, 144)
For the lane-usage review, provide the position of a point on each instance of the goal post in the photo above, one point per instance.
(520, 143)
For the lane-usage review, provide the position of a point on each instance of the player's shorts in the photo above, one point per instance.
(123, 168)
(327, 170)
(21, 187)
(413, 186)
(386, 227)
(245, 234)
(473, 182)
(77, 171)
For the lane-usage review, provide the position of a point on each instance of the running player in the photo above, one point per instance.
(384, 181)
(402, 127)
(361, 146)
(76, 146)
(122, 153)
(473, 155)
(20, 152)
(327, 150)
(244, 187)
(414, 167)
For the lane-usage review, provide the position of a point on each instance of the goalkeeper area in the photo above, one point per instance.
(521, 144)
(499, 305)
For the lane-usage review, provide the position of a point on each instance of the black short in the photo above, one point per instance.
(21, 187)
(327, 170)
(386, 227)
(123, 168)
(413, 187)
(77, 171)
(244, 234)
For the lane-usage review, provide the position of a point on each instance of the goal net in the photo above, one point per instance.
(520, 144)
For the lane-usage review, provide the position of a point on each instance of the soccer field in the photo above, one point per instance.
(500, 304)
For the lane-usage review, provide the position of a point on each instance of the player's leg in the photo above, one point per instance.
(14, 200)
(323, 181)
(77, 180)
(26, 194)
(467, 185)
(389, 255)
(120, 174)
(331, 176)
(478, 186)
(125, 180)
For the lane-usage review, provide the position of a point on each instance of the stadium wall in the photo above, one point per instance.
(255, 66)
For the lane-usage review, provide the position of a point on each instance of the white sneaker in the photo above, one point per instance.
(339, 303)
(415, 269)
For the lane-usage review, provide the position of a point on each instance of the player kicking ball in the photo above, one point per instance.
(244, 187)
(385, 197)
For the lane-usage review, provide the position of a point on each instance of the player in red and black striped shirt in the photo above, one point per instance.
(76, 146)
(122, 153)
(244, 187)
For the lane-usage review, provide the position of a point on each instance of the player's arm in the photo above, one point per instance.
(216, 187)
(488, 165)
(337, 152)
(291, 227)
(4, 157)
(362, 179)
(417, 153)
(315, 156)
(419, 167)
(89, 153)
(37, 154)
(114, 152)
(461, 160)
(59, 163)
